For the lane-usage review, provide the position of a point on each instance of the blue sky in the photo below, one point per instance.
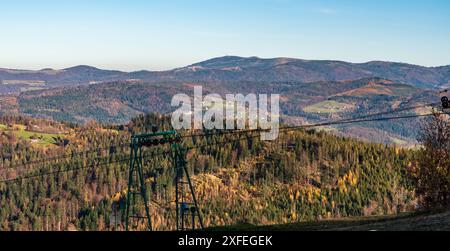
(164, 34)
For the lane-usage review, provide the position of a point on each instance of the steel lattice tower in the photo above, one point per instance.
(187, 210)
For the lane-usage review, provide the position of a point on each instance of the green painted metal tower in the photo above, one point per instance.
(137, 206)
(187, 210)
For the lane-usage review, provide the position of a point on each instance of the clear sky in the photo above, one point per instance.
(164, 34)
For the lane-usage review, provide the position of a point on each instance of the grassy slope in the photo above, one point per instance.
(327, 107)
(405, 222)
(44, 139)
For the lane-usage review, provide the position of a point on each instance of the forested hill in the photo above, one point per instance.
(304, 175)
(238, 69)
(301, 103)
(311, 92)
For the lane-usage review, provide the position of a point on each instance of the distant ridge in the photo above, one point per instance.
(255, 69)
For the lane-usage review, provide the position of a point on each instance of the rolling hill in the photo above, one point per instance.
(312, 91)
(117, 102)
(288, 69)
(16, 81)
(254, 69)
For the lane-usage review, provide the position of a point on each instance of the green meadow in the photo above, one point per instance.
(43, 139)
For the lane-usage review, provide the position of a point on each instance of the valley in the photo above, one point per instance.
(311, 91)
(118, 102)
(248, 118)
(321, 176)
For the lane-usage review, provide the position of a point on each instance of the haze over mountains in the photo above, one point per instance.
(231, 68)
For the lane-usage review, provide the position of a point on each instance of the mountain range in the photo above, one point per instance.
(232, 68)
(311, 91)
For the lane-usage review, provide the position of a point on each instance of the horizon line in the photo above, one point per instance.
(212, 58)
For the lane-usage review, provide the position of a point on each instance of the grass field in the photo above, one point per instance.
(42, 138)
(405, 222)
(20, 131)
(328, 106)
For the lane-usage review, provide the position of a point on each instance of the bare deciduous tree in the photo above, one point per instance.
(433, 171)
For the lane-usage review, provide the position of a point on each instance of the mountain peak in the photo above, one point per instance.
(81, 68)
(234, 62)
